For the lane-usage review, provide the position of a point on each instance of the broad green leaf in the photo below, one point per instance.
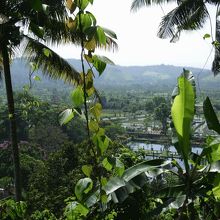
(86, 21)
(88, 58)
(171, 191)
(119, 167)
(82, 187)
(206, 36)
(212, 168)
(45, 9)
(100, 35)
(179, 201)
(82, 4)
(37, 78)
(106, 164)
(93, 198)
(113, 184)
(100, 62)
(104, 198)
(189, 76)
(91, 33)
(132, 179)
(182, 112)
(212, 152)
(92, 17)
(210, 116)
(110, 33)
(106, 142)
(87, 170)
(66, 116)
(144, 167)
(77, 96)
(74, 210)
(96, 111)
(99, 65)
(93, 126)
(104, 59)
(216, 188)
(101, 141)
(104, 181)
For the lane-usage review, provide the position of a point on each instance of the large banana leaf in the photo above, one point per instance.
(134, 178)
(210, 116)
(182, 113)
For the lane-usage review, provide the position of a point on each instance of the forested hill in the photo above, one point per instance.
(157, 76)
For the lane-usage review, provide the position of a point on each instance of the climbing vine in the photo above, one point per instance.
(87, 104)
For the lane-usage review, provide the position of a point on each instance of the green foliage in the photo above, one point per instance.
(210, 116)
(182, 115)
(46, 214)
(115, 182)
(77, 97)
(82, 187)
(66, 116)
(11, 210)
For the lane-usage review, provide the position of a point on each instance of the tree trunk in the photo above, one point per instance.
(12, 118)
(216, 62)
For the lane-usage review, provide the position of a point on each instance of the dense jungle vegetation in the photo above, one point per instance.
(65, 125)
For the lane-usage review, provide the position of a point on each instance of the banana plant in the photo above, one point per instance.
(198, 185)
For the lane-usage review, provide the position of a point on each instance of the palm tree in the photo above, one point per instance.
(188, 15)
(34, 25)
(42, 23)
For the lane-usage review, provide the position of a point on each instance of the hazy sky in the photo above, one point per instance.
(137, 37)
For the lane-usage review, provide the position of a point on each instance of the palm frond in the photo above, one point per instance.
(50, 62)
(188, 15)
(111, 44)
(214, 2)
(57, 9)
(137, 4)
(196, 17)
(56, 32)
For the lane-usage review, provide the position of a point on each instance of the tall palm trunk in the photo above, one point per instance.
(216, 62)
(13, 128)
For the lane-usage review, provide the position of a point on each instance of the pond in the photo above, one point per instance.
(167, 150)
(159, 147)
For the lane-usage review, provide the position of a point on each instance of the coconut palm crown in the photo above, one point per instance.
(188, 15)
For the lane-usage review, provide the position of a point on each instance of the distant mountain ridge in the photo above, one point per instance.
(115, 75)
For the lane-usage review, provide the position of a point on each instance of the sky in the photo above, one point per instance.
(138, 41)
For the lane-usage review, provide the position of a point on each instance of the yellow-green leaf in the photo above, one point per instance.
(96, 111)
(87, 170)
(182, 114)
(77, 96)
